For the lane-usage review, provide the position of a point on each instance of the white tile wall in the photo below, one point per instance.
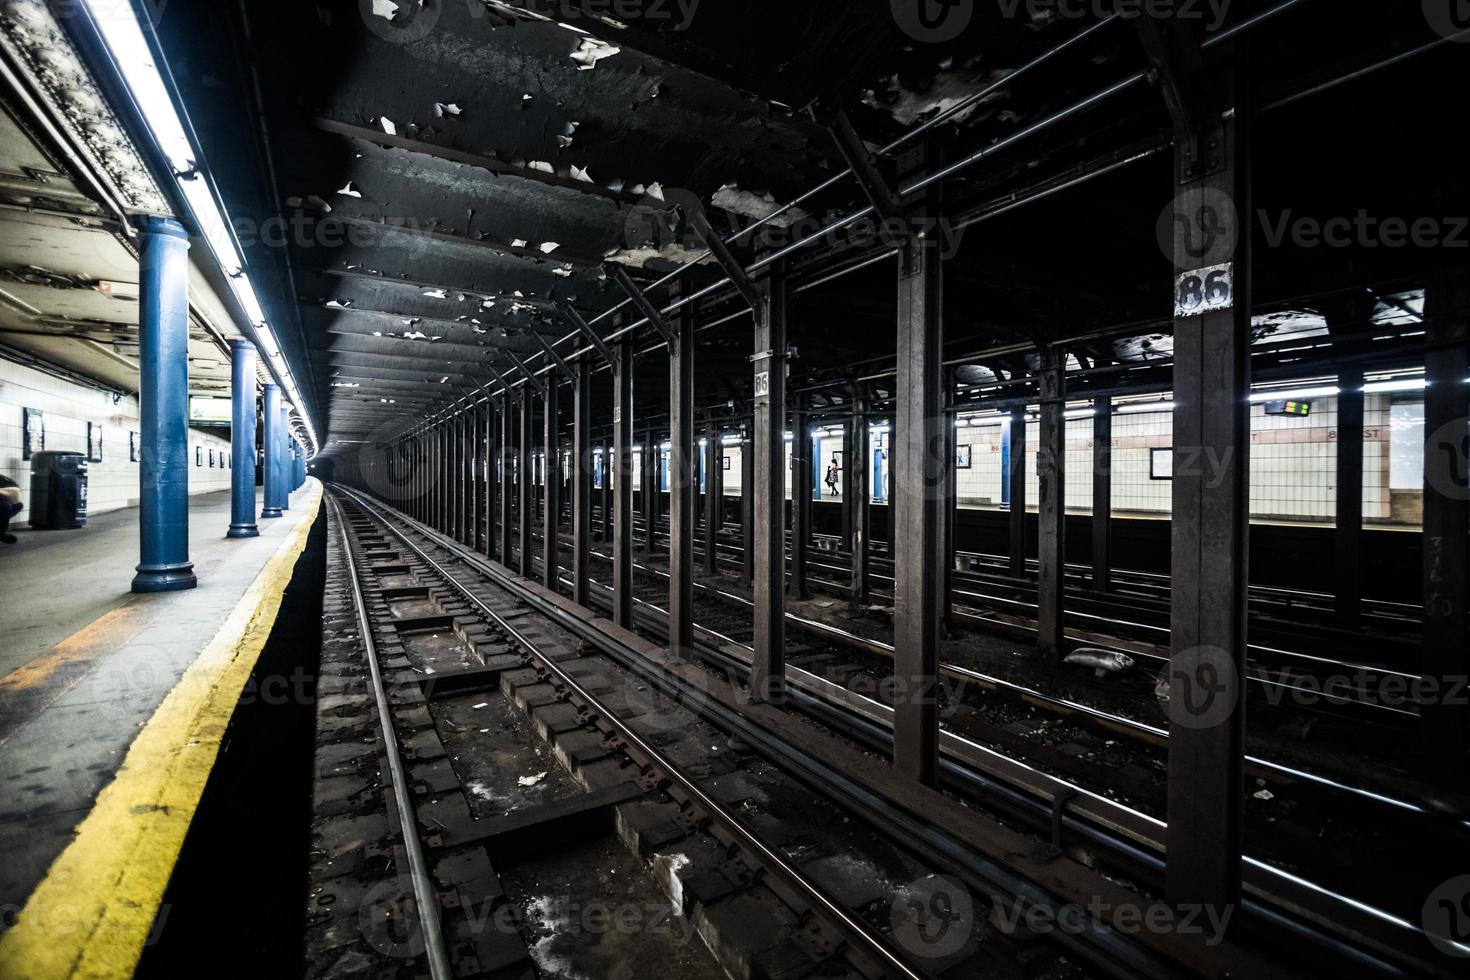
(68, 407)
(1293, 462)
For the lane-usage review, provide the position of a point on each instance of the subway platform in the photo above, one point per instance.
(112, 708)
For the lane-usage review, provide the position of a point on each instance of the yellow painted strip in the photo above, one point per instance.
(91, 914)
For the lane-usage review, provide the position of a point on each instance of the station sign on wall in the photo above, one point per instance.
(209, 410)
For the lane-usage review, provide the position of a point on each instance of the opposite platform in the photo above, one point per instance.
(107, 737)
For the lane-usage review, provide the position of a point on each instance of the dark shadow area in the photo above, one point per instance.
(237, 895)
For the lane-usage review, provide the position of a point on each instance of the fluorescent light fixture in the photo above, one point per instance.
(1139, 408)
(249, 302)
(1294, 394)
(1405, 384)
(1080, 413)
(212, 225)
(123, 36)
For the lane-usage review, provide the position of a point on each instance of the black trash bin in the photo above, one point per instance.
(58, 490)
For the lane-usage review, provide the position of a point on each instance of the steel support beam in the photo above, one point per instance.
(651, 492)
(1210, 526)
(714, 507)
(163, 384)
(1446, 653)
(507, 475)
(242, 440)
(683, 487)
(1348, 537)
(947, 501)
(916, 454)
(1052, 509)
(801, 497)
(551, 487)
(768, 664)
(581, 482)
(623, 485)
(1102, 494)
(1017, 476)
(747, 507)
(605, 532)
(846, 483)
(860, 470)
(526, 490)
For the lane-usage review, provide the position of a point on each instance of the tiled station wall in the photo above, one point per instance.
(1293, 463)
(66, 409)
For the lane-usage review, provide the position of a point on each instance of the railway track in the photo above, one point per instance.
(1337, 673)
(758, 850)
(1082, 816)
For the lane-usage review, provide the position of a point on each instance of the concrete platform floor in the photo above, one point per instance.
(90, 675)
(71, 578)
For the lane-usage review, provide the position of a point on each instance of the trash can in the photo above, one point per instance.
(58, 490)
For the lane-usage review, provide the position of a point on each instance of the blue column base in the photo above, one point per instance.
(165, 578)
(243, 531)
(271, 512)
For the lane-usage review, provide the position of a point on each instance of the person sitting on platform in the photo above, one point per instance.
(10, 505)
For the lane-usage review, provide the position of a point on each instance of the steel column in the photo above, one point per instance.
(714, 508)
(1210, 525)
(860, 470)
(682, 486)
(747, 507)
(581, 482)
(1052, 509)
(651, 491)
(947, 502)
(507, 480)
(623, 485)
(526, 488)
(242, 441)
(1446, 653)
(917, 446)
(551, 489)
(768, 665)
(284, 434)
(1102, 494)
(271, 444)
(1348, 537)
(801, 496)
(1017, 476)
(846, 476)
(163, 395)
(605, 532)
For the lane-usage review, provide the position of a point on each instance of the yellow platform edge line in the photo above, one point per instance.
(92, 913)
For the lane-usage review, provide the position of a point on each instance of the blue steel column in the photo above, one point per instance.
(242, 442)
(283, 432)
(272, 470)
(163, 386)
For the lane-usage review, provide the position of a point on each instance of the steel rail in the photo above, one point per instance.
(865, 938)
(1141, 729)
(1101, 941)
(1281, 899)
(426, 896)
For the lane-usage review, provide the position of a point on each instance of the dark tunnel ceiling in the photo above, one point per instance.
(455, 169)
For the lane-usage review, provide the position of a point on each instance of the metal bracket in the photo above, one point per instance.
(727, 262)
(1177, 71)
(620, 276)
(513, 392)
(531, 378)
(863, 167)
(556, 358)
(570, 314)
(1059, 803)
